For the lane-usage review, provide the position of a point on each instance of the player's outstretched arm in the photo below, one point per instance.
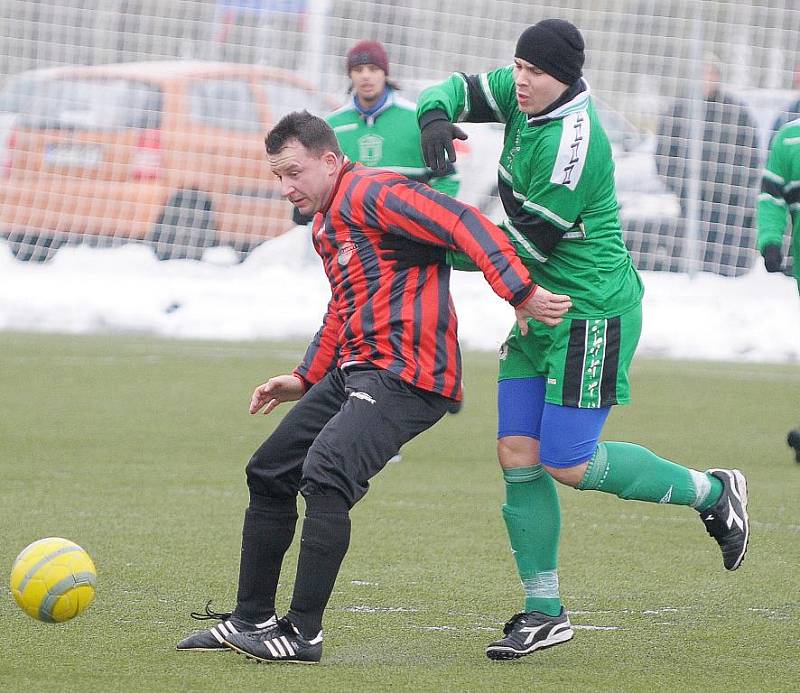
(544, 306)
(281, 388)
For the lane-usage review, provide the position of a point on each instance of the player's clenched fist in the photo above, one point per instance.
(281, 388)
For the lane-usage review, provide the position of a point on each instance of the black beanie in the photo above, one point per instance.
(554, 46)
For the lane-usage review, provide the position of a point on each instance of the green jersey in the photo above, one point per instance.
(556, 183)
(388, 138)
(780, 192)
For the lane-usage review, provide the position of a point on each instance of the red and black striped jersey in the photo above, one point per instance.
(403, 320)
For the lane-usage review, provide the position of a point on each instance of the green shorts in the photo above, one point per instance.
(584, 362)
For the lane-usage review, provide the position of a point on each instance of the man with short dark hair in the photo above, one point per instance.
(384, 366)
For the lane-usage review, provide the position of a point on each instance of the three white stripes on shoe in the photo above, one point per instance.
(280, 647)
(221, 630)
(227, 628)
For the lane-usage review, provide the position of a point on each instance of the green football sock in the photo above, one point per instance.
(633, 472)
(533, 520)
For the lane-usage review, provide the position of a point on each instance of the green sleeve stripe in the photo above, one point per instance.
(505, 175)
(529, 206)
(487, 93)
(524, 241)
(791, 185)
(766, 197)
(773, 176)
(467, 106)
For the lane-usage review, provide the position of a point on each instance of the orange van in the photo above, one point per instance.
(169, 153)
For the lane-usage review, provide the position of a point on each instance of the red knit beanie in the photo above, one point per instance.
(367, 53)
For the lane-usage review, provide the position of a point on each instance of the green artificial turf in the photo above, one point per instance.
(135, 448)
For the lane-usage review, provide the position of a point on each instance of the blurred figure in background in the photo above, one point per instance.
(729, 170)
(778, 201)
(377, 127)
(790, 112)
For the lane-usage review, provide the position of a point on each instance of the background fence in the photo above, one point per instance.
(687, 199)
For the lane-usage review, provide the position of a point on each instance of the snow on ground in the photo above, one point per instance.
(281, 292)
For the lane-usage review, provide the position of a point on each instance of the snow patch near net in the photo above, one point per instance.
(280, 292)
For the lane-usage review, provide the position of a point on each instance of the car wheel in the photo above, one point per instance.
(32, 246)
(185, 227)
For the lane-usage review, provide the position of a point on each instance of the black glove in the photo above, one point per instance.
(437, 134)
(406, 254)
(773, 259)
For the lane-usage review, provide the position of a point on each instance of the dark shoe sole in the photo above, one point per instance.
(259, 660)
(741, 486)
(506, 653)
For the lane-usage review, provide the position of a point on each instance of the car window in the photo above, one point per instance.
(228, 104)
(83, 104)
(284, 98)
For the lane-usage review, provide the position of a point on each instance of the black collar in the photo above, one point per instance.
(541, 118)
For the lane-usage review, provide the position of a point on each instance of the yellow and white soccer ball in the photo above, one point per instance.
(53, 580)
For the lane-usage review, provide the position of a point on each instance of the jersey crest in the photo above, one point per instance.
(345, 253)
(370, 149)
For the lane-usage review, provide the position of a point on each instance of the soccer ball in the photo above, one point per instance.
(53, 580)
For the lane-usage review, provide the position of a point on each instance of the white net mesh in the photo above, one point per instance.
(97, 147)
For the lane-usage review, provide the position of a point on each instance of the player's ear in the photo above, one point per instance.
(331, 161)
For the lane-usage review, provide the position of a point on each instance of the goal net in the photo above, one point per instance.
(143, 120)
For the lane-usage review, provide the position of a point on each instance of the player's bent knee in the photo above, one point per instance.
(517, 451)
(272, 481)
(325, 501)
(569, 474)
(260, 503)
